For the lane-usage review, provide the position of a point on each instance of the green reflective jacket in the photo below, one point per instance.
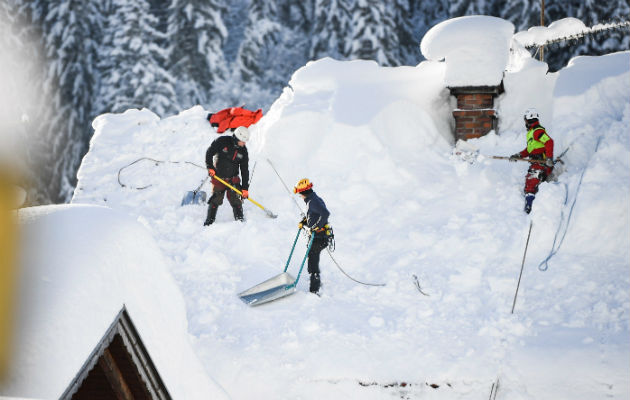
(533, 144)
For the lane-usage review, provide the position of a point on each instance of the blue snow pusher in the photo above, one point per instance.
(280, 285)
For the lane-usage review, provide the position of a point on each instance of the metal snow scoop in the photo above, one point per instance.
(197, 196)
(279, 286)
(269, 213)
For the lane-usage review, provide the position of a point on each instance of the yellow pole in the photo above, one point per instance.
(8, 268)
(269, 213)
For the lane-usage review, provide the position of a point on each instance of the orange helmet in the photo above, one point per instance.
(302, 185)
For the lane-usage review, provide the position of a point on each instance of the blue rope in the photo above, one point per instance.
(544, 265)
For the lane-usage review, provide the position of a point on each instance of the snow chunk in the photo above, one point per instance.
(475, 48)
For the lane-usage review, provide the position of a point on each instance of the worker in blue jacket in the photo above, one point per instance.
(315, 221)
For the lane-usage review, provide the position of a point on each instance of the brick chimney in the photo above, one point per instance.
(475, 114)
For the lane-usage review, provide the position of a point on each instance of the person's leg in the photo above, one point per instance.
(237, 205)
(213, 205)
(532, 180)
(319, 244)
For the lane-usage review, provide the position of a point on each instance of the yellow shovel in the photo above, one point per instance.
(269, 213)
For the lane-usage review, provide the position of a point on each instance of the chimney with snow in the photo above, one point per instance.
(475, 114)
(475, 51)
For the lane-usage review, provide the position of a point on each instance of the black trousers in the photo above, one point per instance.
(319, 244)
(235, 201)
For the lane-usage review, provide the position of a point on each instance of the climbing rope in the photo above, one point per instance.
(544, 265)
(351, 278)
(157, 162)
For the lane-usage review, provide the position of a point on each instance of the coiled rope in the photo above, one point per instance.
(544, 265)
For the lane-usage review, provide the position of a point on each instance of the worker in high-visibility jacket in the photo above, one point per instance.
(539, 147)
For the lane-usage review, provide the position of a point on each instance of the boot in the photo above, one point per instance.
(315, 283)
(212, 214)
(238, 213)
(529, 199)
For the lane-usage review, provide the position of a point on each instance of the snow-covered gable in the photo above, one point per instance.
(89, 262)
(476, 49)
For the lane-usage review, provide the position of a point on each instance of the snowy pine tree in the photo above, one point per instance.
(253, 81)
(374, 33)
(74, 29)
(196, 34)
(460, 8)
(133, 61)
(408, 33)
(333, 29)
(522, 13)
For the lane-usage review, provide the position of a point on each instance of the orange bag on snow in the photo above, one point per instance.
(233, 117)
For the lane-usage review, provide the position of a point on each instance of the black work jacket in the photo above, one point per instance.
(316, 214)
(231, 158)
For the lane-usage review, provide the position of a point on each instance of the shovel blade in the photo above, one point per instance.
(272, 289)
(194, 198)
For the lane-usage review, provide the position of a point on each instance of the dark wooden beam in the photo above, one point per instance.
(115, 376)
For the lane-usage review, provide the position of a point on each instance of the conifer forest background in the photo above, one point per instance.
(66, 61)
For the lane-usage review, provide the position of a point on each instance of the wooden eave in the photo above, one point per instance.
(120, 362)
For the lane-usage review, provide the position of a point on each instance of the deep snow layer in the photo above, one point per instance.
(376, 143)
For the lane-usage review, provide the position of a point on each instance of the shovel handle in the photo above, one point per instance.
(521, 159)
(292, 248)
(199, 187)
(269, 213)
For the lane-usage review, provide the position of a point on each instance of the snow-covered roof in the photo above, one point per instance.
(81, 264)
(475, 48)
(375, 143)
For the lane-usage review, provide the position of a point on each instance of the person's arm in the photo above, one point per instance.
(549, 148)
(244, 164)
(210, 153)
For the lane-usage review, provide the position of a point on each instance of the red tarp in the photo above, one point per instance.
(234, 117)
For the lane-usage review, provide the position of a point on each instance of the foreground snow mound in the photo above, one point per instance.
(82, 264)
(376, 143)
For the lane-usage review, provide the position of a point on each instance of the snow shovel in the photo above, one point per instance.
(269, 213)
(197, 196)
(279, 286)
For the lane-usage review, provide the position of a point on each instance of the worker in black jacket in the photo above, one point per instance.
(231, 155)
(315, 221)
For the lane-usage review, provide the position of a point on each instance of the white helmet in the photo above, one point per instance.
(531, 113)
(242, 133)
